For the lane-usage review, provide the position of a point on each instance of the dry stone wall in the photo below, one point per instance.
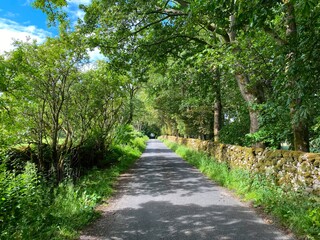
(291, 169)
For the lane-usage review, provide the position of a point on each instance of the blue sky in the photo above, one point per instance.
(18, 20)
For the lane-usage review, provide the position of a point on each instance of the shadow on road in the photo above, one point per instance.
(163, 197)
(183, 222)
(160, 172)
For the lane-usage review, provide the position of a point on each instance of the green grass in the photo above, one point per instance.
(295, 210)
(30, 209)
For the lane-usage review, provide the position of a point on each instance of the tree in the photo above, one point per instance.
(10, 84)
(169, 28)
(256, 36)
(292, 25)
(49, 71)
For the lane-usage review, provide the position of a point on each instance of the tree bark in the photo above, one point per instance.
(217, 120)
(55, 159)
(251, 99)
(252, 96)
(132, 92)
(41, 132)
(300, 126)
(217, 108)
(300, 133)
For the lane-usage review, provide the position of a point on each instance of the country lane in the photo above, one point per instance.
(163, 197)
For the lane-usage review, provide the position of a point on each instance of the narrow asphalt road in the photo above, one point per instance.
(163, 197)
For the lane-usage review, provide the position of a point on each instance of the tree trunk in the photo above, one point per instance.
(217, 120)
(252, 96)
(41, 131)
(254, 123)
(131, 108)
(255, 96)
(132, 92)
(54, 150)
(299, 127)
(251, 99)
(217, 107)
(300, 135)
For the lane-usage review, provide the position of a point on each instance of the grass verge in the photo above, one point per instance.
(29, 209)
(294, 210)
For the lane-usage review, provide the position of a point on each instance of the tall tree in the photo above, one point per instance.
(161, 28)
(49, 71)
(292, 25)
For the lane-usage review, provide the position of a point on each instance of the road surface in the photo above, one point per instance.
(163, 197)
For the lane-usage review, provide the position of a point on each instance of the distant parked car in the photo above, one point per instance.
(152, 135)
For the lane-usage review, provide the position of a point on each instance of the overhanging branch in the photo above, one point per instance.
(189, 38)
(275, 36)
(150, 24)
(213, 28)
(168, 11)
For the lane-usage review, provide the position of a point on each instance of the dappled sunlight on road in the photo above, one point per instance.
(163, 197)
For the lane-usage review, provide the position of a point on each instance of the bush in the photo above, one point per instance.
(124, 134)
(23, 203)
(232, 133)
(31, 208)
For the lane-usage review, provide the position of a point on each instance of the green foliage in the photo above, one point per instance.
(73, 117)
(298, 211)
(125, 137)
(52, 9)
(149, 129)
(315, 139)
(31, 208)
(23, 208)
(274, 126)
(183, 97)
(315, 145)
(124, 134)
(67, 114)
(271, 48)
(139, 143)
(234, 132)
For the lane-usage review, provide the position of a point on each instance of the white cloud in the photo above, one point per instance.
(73, 10)
(80, 14)
(75, 14)
(11, 15)
(85, 2)
(95, 55)
(10, 31)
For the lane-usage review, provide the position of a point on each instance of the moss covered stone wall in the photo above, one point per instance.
(291, 169)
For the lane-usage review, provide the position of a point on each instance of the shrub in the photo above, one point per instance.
(31, 208)
(23, 203)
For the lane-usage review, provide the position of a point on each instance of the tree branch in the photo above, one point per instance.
(275, 36)
(213, 28)
(198, 40)
(166, 4)
(169, 12)
(150, 24)
(183, 3)
(177, 36)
